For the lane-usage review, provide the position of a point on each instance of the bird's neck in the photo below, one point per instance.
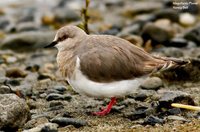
(66, 57)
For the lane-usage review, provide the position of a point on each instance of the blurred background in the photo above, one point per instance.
(162, 27)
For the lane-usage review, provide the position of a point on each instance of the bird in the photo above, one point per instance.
(104, 66)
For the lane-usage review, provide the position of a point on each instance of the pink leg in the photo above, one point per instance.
(106, 110)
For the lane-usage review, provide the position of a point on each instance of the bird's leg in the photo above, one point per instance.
(107, 109)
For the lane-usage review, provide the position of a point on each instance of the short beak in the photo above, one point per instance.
(51, 44)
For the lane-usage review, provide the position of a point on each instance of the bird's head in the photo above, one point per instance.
(65, 36)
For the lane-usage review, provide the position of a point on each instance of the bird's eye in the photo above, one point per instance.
(63, 37)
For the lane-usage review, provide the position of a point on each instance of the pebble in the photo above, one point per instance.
(152, 120)
(3, 80)
(176, 118)
(140, 97)
(168, 97)
(59, 107)
(64, 121)
(61, 89)
(152, 83)
(4, 89)
(27, 26)
(47, 127)
(4, 22)
(15, 72)
(141, 6)
(64, 14)
(132, 29)
(112, 31)
(27, 41)
(193, 34)
(55, 103)
(2, 73)
(11, 59)
(178, 42)
(35, 122)
(11, 109)
(167, 13)
(135, 115)
(174, 111)
(54, 96)
(187, 19)
(162, 35)
(67, 97)
(12, 82)
(172, 52)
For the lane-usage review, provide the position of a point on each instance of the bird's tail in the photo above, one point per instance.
(170, 63)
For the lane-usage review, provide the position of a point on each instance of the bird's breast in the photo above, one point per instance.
(66, 63)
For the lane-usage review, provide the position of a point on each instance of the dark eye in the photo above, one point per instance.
(63, 37)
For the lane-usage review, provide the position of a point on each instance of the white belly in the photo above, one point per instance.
(83, 85)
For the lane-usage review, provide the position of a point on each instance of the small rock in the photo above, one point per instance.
(135, 115)
(3, 80)
(27, 41)
(140, 97)
(27, 26)
(67, 114)
(112, 31)
(172, 52)
(4, 89)
(12, 82)
(47, 127)
(132, 29)
(187, 19)
(52, 91)
(4, 22)
(54, 96)
(67, 97)
(141, 6)
(11, 59)
(176, 118)
(2, 73)
(61, 89)
(59, 107)
(178, 42)
(11, 109)
(169, 97)
(64, 121)
(66, 15)
(193, 34)
(167, 13)
(143, 18)
(152, 120)
(157, 34)
(35, 122)
(127, 102)
(55, 103)
(114, 3)
(174, 111)
(15, 73)
(43, 95)
(152, 83)
(27, 15)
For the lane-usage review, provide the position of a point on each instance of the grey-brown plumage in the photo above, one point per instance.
(106, 58)
(104, 65)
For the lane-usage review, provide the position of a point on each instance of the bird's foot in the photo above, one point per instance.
(106, 110)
